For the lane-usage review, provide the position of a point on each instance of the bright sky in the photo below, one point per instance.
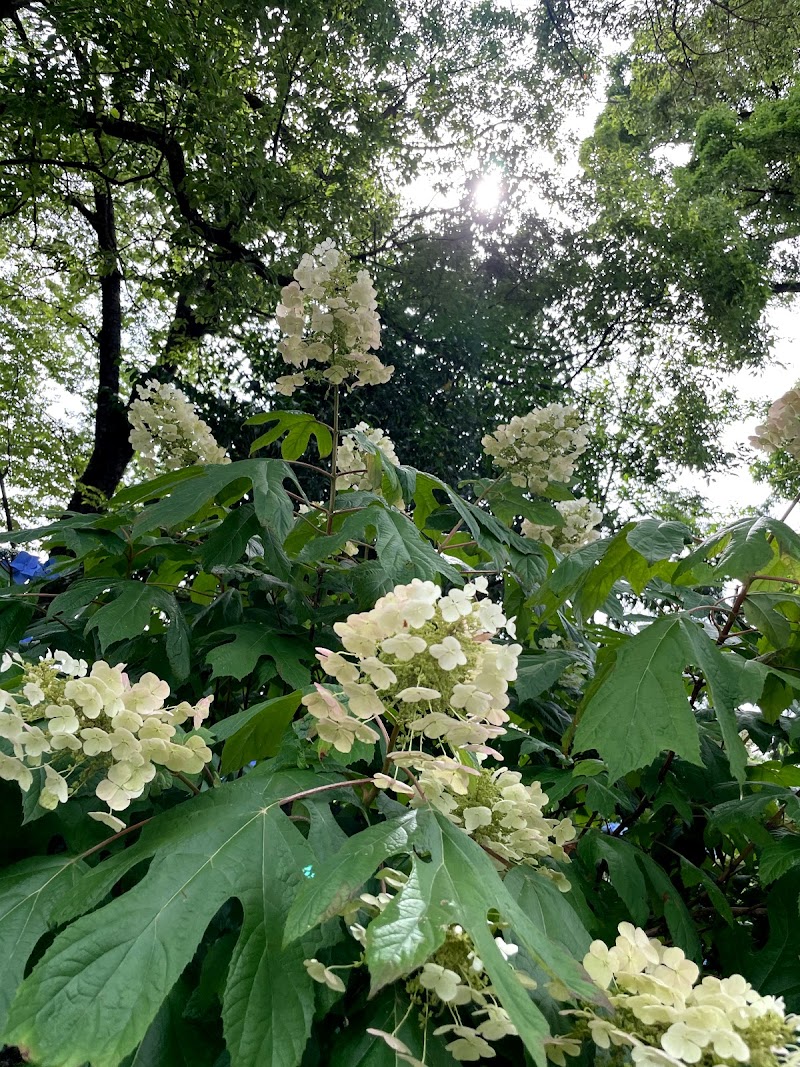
(735, 490)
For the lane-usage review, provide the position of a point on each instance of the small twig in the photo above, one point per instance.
(114, 837)
(588, 825)
(186, 781)
(319, 789)
(310, 467)
(497, 856)
(790, 509)
(308, 503)
(334, 457)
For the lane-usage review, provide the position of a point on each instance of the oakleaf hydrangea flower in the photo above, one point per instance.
(324, 975)
(781, 430)
(452, 982)
(540, 447)
(498, 811)
(330, 324)
(425, 661)
(167, 432)
(580, 519)
(80, 724)
(665, 1016)
(352, 460)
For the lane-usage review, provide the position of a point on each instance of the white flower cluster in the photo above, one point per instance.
(580, 519)
(667, 1019)
(540, 447)
(452, 980)
(167, 432)
(782, 427)
(496, 809)
(352, 460)
(82, 725)
(426, 662)
(328, 316)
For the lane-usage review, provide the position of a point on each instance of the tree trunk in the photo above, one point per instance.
(111, 452)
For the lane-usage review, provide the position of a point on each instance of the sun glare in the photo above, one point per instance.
(488, 191)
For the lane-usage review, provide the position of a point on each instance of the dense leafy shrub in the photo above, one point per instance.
(384, 776)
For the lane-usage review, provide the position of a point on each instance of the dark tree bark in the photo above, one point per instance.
(111, 452)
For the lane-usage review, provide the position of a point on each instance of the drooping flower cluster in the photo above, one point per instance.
(423, 660)
(95, 731)
(167, 432)
(782, 427)
(352, 460)
(666, 1018)
(496, 809)
(451, 983)
(328, 316)
(580, 519)
(540, 447)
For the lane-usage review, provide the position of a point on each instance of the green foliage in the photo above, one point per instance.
(183, 938)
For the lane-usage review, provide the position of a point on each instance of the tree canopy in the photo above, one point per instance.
(159, 175)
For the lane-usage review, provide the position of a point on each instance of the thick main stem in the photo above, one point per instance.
(334, 451)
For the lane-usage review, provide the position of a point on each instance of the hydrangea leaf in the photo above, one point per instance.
(153, 488)
(351, 528)
(97, 989)
(227, 544)
(773, 969)
(507, 501)
(549, 909)
(129, 613)
(252, 640)
(261, 734)
(692, 876)
(14, 618)
(569, 574)
(640, 708)
(619, 560)
(29, 892)
(464, 888)
(656, 540)
(778, 858)
(405, 553)
(453, 881)
(731, 682)
(623, 870)
(339, 878)
(187, 499)
(773, 614)
(744, 547)
(298, 426)
(537, 673)
(682, 928)
(173, 1039)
